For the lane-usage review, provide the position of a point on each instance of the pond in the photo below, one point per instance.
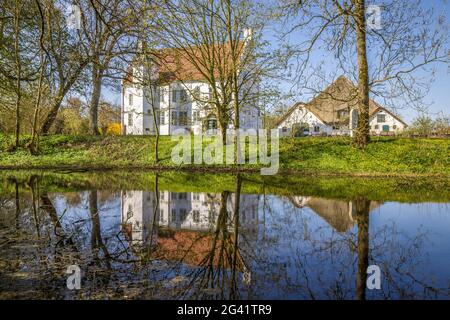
(204, 236)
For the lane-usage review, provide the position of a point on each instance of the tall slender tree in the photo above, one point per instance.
(68, 57)
(222, 40)
(381, 49)
(108, 27)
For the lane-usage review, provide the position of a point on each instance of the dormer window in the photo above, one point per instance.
(342, 114)
(381, 118)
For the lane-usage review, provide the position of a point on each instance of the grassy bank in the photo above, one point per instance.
(383, 157)
(345, 188)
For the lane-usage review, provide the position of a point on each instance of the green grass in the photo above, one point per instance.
(399, 189)
(383, 156)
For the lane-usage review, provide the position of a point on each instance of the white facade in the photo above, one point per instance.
(181, 211)
(176, 108)
(381, 122)
(302, 116)
(384, 122)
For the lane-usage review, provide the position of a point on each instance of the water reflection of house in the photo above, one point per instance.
(189, 225)
(339, 214)
(182, 211)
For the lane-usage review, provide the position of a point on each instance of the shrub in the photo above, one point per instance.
(114, 129)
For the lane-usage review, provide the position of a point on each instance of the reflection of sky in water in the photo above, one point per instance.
(76, 219)
(297, 251)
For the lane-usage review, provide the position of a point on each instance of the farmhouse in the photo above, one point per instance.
(333, 112)
(181, 96)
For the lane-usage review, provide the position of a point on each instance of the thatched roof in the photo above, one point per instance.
(340, 95)
(335, 212)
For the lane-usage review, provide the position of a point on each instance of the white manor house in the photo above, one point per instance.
(180, 96)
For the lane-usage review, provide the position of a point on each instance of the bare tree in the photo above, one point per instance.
(17, 55)
(33, 145)
(68, 57)
(382, 59)
(222, 41)
(107, 26)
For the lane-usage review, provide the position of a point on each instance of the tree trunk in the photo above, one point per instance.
(361, 137)
(155, 122)
(93, 210)
(17, 202)
(19, 74)
(237, 148)
(362, 218)
(223, 128)
(51, 116)
(97, 76)
(237, 199)
(18, 101)
(33, 147)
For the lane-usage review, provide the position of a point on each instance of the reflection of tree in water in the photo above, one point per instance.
(47, 247)
(215, 257)
(329, 264)
(37, 263)
(296, 257)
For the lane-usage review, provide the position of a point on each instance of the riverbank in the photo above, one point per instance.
(384, 157)
(400, 189)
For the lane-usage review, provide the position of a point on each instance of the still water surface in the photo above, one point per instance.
(163, 244)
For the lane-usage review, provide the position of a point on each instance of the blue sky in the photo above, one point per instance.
(438, 97)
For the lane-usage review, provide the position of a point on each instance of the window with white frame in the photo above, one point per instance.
(183, 95)
(183, 213)
(381, 118)
(130, 119)
(196, 216)
(174, 118)
(196, 116)
(196, 92)
(161, 94)
(174, 95)
(174, 215)
(182, 118)
(130, 99)
(162, 117)
(182, 196)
